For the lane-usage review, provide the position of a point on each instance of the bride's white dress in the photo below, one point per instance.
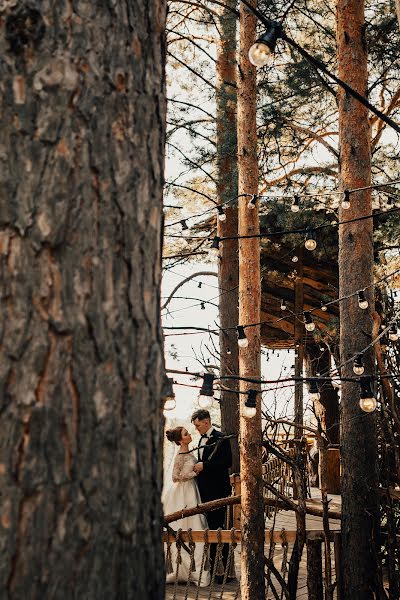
(183, 493)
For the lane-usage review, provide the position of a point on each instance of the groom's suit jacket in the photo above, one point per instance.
(213, 481)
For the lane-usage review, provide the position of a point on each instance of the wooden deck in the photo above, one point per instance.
(284, 520)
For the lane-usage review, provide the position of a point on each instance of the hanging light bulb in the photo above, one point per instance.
(346, 200)
(310, 241)
(362, 301)
(202, 306)
(295, 204)
(324, 307)
(228, 351)
(393, 333)
(308, 322)
(358, 365)
(264, 47)
(170, 404)
(184, 225)
(168, 394)
(313, 391)
(249, 409)
(221, 213)
(243, 342)
(295, 258)
(200, 284)
(206, 394)
(283, 305)
(252, 202)
(367, 399)
(214, 249)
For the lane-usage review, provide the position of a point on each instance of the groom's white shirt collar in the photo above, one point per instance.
(209, 432)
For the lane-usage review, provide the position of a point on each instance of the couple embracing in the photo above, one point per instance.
(198, 475)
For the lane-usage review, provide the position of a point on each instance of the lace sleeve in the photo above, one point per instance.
(183, 469)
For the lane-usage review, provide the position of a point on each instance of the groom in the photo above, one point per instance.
(214, 461)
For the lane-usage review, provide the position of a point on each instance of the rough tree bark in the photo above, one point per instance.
(81, 172)
(358, 432)
(227, 185)
(252, 555)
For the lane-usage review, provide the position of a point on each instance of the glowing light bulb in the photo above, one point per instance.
(205, 401)
(264, 47)
(358, 367)
(252, 202)
(295, 258)
(259, 54)
(169, 404)
(367, 400)
(368, 405)
(214, 249)
(362, 301)
(308, 322)
(310, 241)
(243, 342)
(310, 244)
(221, 213)
(248, 412)
(283, 305)
(346, 200)
(295, 207)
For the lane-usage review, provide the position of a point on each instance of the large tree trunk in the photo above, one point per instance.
(358, 433)
(81, 347)
(227, 185)
(252, 555)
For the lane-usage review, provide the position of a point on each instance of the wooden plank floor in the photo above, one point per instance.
(284, 519)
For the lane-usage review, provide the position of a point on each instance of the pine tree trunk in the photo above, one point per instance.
(358, 433)
(252, 554)
(82, 141)
(227, 185)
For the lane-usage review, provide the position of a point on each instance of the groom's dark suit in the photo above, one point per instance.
(213, 481)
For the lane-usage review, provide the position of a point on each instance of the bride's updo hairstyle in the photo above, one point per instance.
(175, 435)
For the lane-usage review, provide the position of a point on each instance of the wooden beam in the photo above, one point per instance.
(215, 504)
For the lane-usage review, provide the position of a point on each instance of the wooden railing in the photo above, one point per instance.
(318, 572)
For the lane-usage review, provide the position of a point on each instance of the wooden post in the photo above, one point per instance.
(360, 505)
(314, 570)
(227, 185)
(337, 541)
(252, 556)
(298, 360)
(299, 345)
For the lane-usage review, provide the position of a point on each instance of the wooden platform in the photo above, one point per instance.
(284, 520)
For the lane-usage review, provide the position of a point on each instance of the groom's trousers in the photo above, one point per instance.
(216, 519)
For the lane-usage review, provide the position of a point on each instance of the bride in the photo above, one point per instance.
(183, 493)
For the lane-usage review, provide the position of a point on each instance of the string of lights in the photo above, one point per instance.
(305, 230)
(295, 197)
(240, 328)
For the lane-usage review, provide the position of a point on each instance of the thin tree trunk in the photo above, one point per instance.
(82, 141)
(227, 185)
(252, 555)
(397, 3)
(358, 433)
(327, 407)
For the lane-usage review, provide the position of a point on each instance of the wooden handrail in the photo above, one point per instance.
(215, 504)
(226, 536)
